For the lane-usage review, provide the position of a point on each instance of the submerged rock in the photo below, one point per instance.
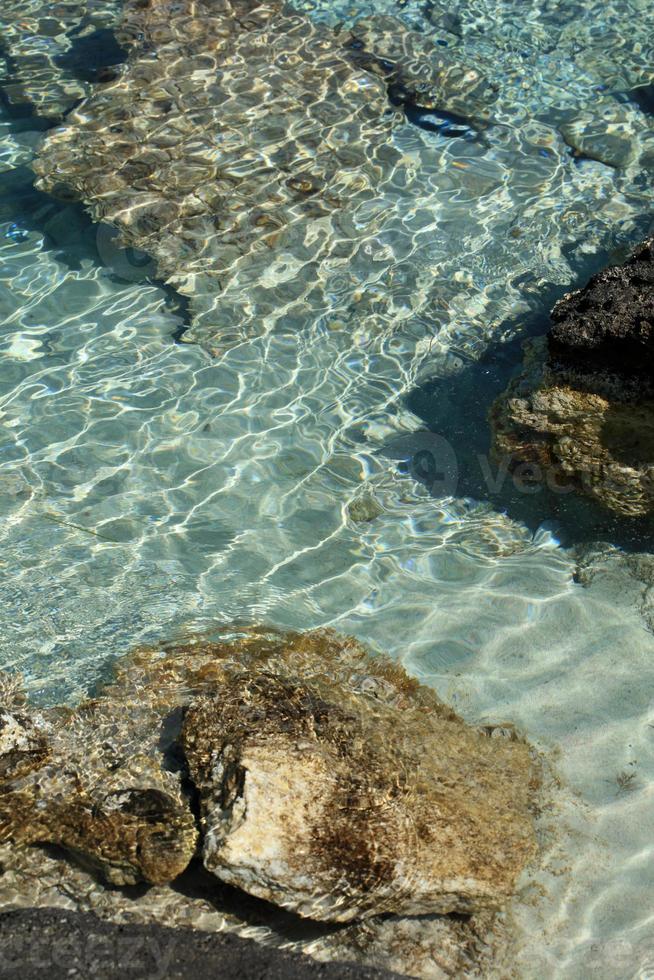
(38, 41)
(613, 133)
(328, 781)
(248, 150)
(76, 780)
(428, 947)
(364, 508)
(581, 413)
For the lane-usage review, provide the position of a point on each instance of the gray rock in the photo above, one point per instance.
(66, 944)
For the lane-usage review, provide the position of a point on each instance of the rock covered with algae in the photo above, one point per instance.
(583, 406)
(326, 779)
(79, 781)
(332, 784)
(249, 151)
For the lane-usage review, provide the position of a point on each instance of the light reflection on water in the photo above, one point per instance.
(147, 486)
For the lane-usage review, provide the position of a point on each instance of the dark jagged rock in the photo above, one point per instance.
(609, 324)
(582, 410)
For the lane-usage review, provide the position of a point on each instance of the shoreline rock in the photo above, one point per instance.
(581, 412)
(63, 783)
(316, 775)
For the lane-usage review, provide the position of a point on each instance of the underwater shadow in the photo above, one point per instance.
(452, 455)
(74, 239)
(65, 226)
(198, 883)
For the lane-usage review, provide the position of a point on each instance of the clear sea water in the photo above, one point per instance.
(148, 485)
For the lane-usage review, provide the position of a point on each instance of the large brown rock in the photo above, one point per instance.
(327, 780)
(332, 784)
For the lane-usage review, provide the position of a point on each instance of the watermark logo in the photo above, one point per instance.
(432, 460)
(429, 458)
(74, 950)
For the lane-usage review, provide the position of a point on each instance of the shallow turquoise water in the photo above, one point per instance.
(149, 486)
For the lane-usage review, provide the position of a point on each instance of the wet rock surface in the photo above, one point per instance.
(323, 779)
(581, 413)
(70, 780)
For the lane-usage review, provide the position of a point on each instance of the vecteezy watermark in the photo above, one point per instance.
(431, 459)
(73, 950)
(128, 263)
(618, 957)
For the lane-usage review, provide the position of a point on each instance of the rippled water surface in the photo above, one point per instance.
(149, 485)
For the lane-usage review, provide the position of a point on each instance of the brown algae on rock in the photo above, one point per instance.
(77, 780)
(382, 796)
(328, 780)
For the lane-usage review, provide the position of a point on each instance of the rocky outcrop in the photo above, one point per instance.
(248, 150)
(327, 780)
(608, 325)
(581, 413)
